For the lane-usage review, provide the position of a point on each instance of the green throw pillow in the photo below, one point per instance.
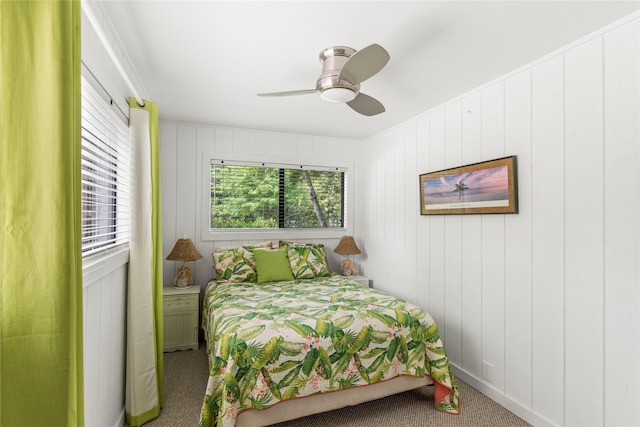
(272, 265)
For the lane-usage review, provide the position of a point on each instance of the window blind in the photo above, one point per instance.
(105, 174)
(276, 196)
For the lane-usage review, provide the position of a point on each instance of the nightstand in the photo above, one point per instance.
(181, 311)
(364, 281)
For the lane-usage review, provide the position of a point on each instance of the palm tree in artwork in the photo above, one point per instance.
(460, 187)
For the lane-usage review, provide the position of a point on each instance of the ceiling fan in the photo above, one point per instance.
(343, 69)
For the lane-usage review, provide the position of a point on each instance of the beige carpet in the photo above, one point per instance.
(185, 382)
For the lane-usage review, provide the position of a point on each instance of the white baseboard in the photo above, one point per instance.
(500, 398)
(120, 420)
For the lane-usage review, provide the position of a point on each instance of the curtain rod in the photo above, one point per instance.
(103, 38)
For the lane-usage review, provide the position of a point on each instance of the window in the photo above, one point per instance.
(105, 173)
(268, 196)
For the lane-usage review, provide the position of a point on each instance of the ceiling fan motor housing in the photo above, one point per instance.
(329, 84)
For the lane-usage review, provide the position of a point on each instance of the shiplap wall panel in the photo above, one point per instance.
(319, 148)
(168, 188)
(370, 231)
(392, 221)
(472, 244)
(453, 241)
(104, 325)
(621, 226)
(395, 238)
(202, 269)
(348, 149)
(385, 220)
(185, 179)
(333, 150)
(411, 208)
(492, 298)
(358, 197)
(436, 272)
(223, 141)
(493, 122)
(185, 197)
(364, 177)
(258, 144)
(517, 293)
(453, 135)
(274, 145)
(117, 344)
(104, 358)
(584, 180)
(289, 146)
(493, 242)
(91, 342)
(422, 227)
(241, 141)
(372, 235)
(547, 224)
(305, 147)
(380, 239)
(436, 224)
(399, 243)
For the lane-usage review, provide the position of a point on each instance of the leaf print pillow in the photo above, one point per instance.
(307, 260)
(237, 264)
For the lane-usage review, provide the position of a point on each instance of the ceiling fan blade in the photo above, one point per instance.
(366, 105)
(364, 63)
(289, 93)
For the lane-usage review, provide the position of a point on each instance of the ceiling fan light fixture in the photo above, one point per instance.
(337, 94)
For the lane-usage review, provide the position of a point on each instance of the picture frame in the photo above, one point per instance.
(489, 187)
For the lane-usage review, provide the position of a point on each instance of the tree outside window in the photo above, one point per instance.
(259, 197)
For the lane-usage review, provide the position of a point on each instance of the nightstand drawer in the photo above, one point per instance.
(180, 302)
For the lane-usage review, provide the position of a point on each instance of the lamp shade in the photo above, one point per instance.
(184, 250)
(347, 246)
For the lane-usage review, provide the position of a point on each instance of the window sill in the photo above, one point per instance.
(274, 234)
(101, 264)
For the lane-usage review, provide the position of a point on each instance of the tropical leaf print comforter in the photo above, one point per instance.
(271, 342)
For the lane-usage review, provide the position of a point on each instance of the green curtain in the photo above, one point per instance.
(144, 393)
(41, 356)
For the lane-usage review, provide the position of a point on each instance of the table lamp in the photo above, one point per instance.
(347, 246)
(184, 251)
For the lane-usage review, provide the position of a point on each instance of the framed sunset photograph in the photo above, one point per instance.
(481, 188)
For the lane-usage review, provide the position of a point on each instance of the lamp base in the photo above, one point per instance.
(347, 268)
(183, 278)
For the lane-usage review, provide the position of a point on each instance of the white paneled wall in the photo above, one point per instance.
(183, 147)
(547, 299)
(104, 321)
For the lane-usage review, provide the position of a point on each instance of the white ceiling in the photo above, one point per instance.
(205, 61)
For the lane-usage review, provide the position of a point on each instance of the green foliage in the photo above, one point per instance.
(261, 402)
(249, 197)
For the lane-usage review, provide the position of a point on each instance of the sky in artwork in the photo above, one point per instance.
(492, 179)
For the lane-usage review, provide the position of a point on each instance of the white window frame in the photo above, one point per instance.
(253, 234)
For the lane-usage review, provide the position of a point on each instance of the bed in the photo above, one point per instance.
(312, 342)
